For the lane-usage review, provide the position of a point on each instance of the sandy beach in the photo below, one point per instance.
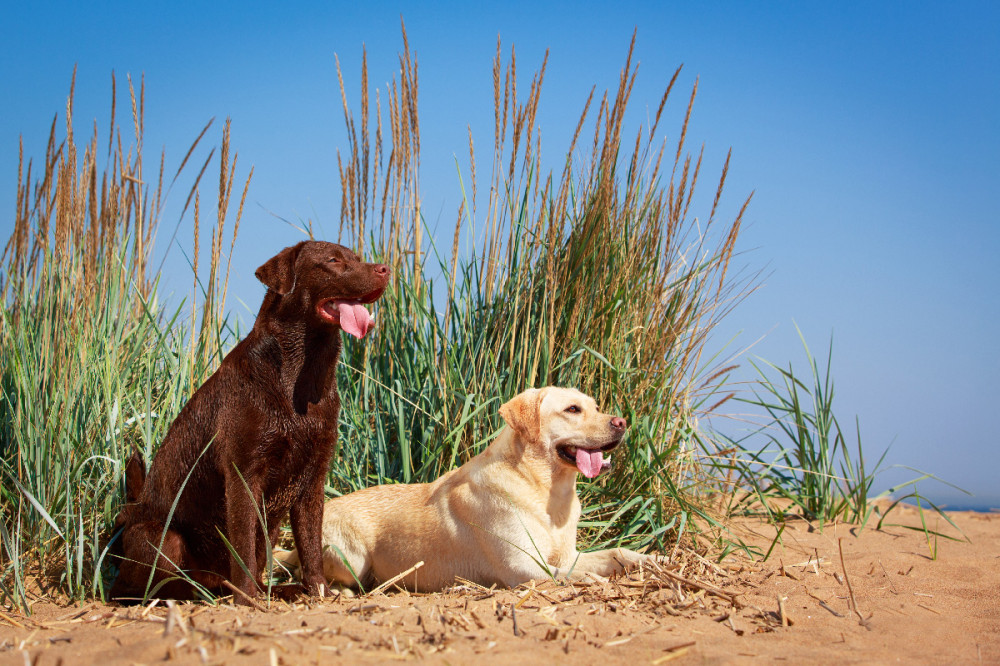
(908, 608)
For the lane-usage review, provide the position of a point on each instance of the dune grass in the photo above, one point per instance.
(92, 364)
(807, 465)
(595, 275)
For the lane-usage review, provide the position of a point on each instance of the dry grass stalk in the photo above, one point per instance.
(785, 621)
(246, 597)
(862, 620)
(77, 268)
(395, 579)
(603, 256)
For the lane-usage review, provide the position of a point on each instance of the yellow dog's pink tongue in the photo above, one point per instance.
(354, 318)
(589, 462)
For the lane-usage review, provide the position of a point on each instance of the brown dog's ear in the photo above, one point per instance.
(135, 477)
(521, 413)
(278, 273)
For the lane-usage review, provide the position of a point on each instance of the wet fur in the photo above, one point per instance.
(270, 412)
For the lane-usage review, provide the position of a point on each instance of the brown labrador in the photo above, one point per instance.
(258, 434)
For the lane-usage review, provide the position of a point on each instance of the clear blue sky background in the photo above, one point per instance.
(869, 131)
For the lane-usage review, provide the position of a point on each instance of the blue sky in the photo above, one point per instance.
(868, 131)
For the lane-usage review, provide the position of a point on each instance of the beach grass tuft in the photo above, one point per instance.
(595, 273)
(93, 365)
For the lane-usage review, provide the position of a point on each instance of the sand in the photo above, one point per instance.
(910, 607)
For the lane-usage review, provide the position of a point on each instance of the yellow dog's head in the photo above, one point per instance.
(564, 427)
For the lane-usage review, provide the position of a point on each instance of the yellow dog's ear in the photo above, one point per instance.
(522, 413)
(278, 273)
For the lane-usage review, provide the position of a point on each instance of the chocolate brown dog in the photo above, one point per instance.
(258, 434)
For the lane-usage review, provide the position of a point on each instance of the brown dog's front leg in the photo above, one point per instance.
(242, 529)
(307, 528)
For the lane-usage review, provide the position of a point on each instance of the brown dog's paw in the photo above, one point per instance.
(292, 591)
(318, 588)
(288, 591)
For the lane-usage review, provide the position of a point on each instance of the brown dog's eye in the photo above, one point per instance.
(573, 409)
(333, 260)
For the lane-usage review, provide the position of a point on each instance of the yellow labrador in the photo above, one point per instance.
(507, 516)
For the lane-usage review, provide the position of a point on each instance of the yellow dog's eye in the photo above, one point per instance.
(573, 409)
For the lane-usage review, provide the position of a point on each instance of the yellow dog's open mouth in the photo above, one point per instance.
(590, 462)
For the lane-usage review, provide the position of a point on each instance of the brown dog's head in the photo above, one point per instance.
(564, 427)
(329, 281)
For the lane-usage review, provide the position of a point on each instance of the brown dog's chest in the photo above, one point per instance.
(302, 448)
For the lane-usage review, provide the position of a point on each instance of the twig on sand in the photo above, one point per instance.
(674, 652)
(525, 596)
(236, 590)
(850, 589)
(363, 609)
(822, 602)
(174, 619)
(891, 585)
(620, 641)
(785, 572)
(785, 620)
(152, 604)
(396, 578)
(513, 618)
(929, 608)
(11, 621)
(835, 613)
(731, 598)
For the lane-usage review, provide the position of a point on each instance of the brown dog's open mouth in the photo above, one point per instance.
(351, 315)
(590, 462)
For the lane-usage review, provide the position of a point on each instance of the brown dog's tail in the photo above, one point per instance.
(135, 477)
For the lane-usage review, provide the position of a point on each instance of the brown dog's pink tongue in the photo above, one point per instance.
(354, 318)
(589, 462)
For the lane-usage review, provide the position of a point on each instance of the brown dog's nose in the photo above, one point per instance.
(381, 269)
(618, 423)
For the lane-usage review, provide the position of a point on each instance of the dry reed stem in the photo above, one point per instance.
(850, 588)
(71, 227)
(395, 579)
(246, 597)
(11, 621)
(612, 222)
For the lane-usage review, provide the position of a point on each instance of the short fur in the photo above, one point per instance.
(266, 421)
(489, 520)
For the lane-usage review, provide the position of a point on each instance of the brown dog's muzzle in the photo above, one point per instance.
(351, 315)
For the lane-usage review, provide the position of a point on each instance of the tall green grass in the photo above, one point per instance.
(92, 364)
(595, 275)
(808, 465)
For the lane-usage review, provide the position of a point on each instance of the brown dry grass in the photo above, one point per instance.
(594, 275)
(76, 215)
